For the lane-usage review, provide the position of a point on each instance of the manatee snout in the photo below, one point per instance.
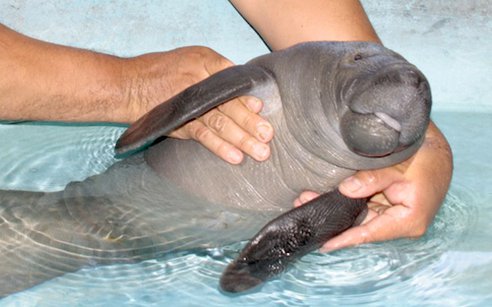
(388, 113)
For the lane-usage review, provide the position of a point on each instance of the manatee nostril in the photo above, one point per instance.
(357, 57)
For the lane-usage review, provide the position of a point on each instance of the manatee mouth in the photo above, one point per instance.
(388, 120)
(388, 113)
(371, 135)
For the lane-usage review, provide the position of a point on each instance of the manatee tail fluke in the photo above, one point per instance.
(190, 104)
(291, 236)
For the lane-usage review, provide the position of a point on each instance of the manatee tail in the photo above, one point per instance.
(190, 104)
(23, 263)
(104, 220)
(291, 236)
(45, 235)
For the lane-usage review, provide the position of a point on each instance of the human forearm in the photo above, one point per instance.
(43, 81)
(288, 22)
(51, 82)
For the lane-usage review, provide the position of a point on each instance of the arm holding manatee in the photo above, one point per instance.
(405, 197)
(51, 82)
(412, 191)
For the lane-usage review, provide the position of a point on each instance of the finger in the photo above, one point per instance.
(305, 197)
(393, 223)
(227, 129)
(202, 134)
(242, 112)
(367, 183)
(252, 103)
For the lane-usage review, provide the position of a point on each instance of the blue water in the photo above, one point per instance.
(451, 265)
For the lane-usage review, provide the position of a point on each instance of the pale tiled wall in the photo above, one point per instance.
(451, 41)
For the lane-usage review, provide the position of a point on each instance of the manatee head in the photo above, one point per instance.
(382, 102)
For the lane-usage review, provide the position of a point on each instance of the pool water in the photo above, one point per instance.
(451, 265)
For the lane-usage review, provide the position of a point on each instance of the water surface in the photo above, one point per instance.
(450, 265)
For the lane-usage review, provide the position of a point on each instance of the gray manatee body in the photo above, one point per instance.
(335, 107)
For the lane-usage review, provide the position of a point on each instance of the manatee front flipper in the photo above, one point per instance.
(291, 236)
(191, 103)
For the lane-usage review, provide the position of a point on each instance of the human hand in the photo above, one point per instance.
(228, 131)
(405, 197)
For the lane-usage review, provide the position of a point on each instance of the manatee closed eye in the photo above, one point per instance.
(336, 108)
(358, 105)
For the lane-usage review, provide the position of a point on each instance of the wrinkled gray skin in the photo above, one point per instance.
(335, 107)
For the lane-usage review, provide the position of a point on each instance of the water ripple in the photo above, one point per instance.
(372, 273)
(425, 270)
(44, 157)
